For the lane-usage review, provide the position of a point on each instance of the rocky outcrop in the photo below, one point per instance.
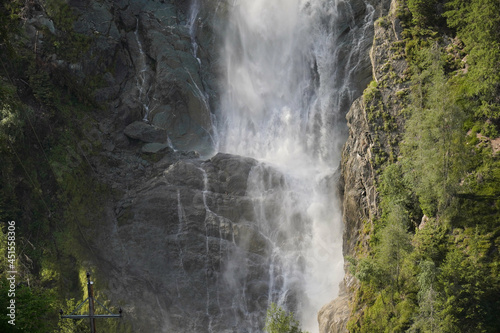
(374, 123)
(333, 317)
(141, 59)
(183, 251)
(367, 146)
(173, 226)
(155, 147)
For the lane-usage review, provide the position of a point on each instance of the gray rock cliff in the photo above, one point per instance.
(143, 61)
(184, 249)
(366, 146)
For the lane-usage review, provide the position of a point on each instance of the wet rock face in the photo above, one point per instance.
(180, 247)
(155, 66)
(185, 250)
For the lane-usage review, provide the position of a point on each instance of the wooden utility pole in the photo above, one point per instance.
(92, 316)
(90, 287)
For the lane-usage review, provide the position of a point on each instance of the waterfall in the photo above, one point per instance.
(291, 70)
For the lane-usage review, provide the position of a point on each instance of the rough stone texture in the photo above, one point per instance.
(153, 148)
(159, 251)
(182, 251)
(142, 54)
(145, 132)
(333, 317)
(358, 157)
(359, 204)
(365, 136)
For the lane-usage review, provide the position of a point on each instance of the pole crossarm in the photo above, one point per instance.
(89, 316)
(92, 316)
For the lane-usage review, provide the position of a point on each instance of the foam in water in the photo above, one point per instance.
(288, 81)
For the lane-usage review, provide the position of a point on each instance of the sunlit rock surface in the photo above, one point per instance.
(358, 156)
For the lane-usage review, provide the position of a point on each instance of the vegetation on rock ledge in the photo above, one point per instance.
(433, 262)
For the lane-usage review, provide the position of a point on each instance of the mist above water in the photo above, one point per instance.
(288, 81)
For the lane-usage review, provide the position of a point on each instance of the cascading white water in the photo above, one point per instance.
(289, 76)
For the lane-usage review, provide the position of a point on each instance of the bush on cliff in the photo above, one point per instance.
(443, 192)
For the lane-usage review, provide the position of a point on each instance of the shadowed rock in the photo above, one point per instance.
(155, 147)
(147, 133)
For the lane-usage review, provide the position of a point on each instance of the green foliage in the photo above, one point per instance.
(434, 262)
(70, 325)
(35, 309)
(43, 90)
(45, 179)
(34, 305)
(9, 14)
(11, 122)
(480, 192)
(477, 24)
(431, 242)
(67, 44)
(423, 12)
(393, 248)
(397, 194)
(61, 14)
(469, 280)
(371, 92)
(433, 142)
(427, 317)
(386, 278)
(368, 271)
(279, 321)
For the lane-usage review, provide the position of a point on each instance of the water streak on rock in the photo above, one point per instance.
(143, 75)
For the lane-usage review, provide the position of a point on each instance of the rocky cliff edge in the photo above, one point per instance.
(369, 143)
